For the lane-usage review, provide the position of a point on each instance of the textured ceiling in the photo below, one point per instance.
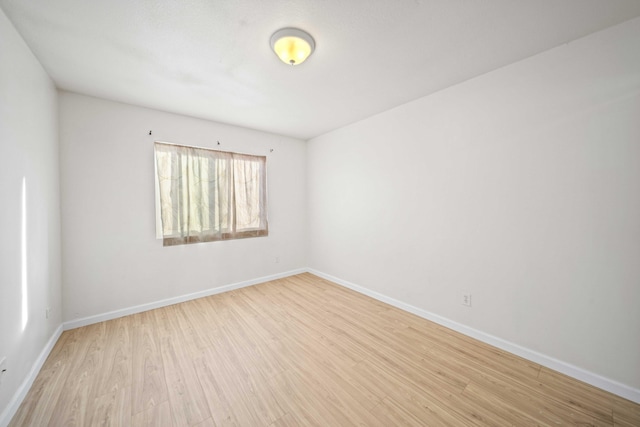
(211, 59)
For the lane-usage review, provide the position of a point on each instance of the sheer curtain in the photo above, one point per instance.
(207, 195)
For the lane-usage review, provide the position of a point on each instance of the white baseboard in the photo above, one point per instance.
(77, 323)
(22, 391)
(595, 380)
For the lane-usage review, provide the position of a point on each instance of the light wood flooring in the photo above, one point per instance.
(299, 351)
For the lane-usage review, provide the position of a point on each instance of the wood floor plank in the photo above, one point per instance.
(116, 368)
(337, 374)
(287, 420)
(428, 401)
(625, 412)
(218, 394)
(527, 400)
(76, 400)
(314, 402)
(149, 387)
(154, 416)
(294, 397)
(251, 397)
(392, 414)
(248, 334)
(183, 388)
(488, 409)
(206, 423)
(322, 375)
(112, 409)
(576, 394)
(411, 413)
(299, 351)
(43, 396)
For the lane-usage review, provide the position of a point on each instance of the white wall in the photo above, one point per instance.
(521, 187)
(29, 153)
(111, 258)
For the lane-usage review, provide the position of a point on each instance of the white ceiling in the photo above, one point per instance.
(211, 59)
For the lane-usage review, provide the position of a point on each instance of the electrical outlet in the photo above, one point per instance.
(3, 368)
(277, 260)
(47, 312)
(466, 300)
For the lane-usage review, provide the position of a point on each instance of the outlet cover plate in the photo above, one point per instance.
(466, 300)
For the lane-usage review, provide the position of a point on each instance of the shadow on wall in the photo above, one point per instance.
(23, 256)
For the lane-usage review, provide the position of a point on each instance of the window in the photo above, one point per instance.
(208, 195)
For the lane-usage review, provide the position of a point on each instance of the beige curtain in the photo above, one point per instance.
(207, 195)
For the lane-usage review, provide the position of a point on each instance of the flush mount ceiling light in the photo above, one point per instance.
(292, 46)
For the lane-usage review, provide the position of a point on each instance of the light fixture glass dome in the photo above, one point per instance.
(293, 46)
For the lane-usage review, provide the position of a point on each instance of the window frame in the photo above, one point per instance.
(257, 183)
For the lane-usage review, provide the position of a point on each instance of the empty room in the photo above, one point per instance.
(320, 213)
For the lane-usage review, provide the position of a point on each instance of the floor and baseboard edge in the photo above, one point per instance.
(89, 320)
(24, 388)
(22, 391)
(566, 368)
(591, 378)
